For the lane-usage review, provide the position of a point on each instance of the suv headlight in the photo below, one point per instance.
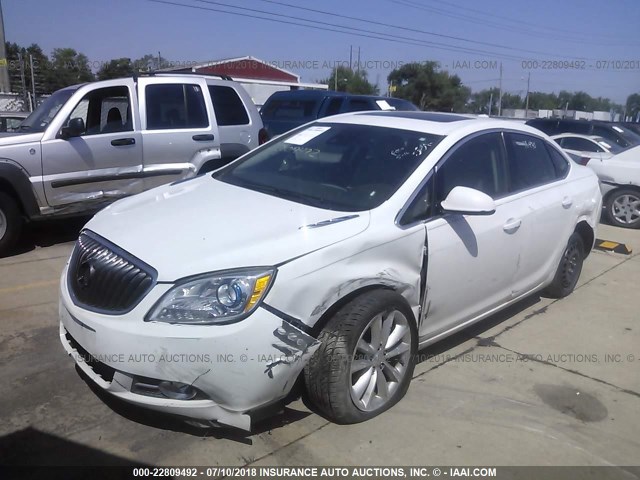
(214, 298)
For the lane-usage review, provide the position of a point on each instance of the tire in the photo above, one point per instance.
(568, 272)
(331, 385)
(623, 208)
(10, 222)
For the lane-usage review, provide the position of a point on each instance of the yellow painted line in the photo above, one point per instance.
(29, 286)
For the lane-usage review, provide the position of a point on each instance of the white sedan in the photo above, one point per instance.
(587, 146)
(335, 252)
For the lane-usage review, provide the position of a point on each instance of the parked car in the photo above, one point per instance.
(10, 121)
(336, 250)
(284, 111)
(587, 146)
(620, 184)
(89, 144)
(613, 132)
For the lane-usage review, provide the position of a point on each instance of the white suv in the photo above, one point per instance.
(336, 250)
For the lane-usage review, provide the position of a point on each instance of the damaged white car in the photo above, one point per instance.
(333, 252)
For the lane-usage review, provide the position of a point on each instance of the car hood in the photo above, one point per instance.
(204, 225)
(16, 138)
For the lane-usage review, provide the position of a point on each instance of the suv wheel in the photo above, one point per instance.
(623, 207)
(367, 356)
(10, 222)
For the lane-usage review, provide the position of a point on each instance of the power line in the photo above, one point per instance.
(518, 29)
(346, 30)
(408, 29)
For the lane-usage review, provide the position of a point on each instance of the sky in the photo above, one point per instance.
(588, 45)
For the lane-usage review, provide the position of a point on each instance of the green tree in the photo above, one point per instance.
(351, 81)
(116, 68)
(69, 67)
(633, 105)
(484, 102)
(429, 88)
(150, 63)
(543, 101)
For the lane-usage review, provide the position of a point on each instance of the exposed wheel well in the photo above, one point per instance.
(7, 188)
(330, 312)
(586, 233)
(618, 187)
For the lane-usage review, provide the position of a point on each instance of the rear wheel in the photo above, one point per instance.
(569, 270)
(623, 208)
(10, 222)
(366, 360)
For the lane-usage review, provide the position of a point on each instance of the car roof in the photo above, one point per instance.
(315, 94)
(429, 122)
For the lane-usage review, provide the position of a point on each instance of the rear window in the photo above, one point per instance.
(289, 109)
(172, 106)
(228, 106)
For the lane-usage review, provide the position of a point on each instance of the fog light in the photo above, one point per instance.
(177, 390)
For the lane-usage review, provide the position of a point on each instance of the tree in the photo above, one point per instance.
(543, 101)
(428, 87)
(351, 81)
(116, 68)
(150, 63)
(633, 105)
(69, 67)
(484, 101)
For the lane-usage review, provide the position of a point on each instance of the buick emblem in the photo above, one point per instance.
(84, 274)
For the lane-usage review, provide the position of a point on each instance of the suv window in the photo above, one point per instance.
(478, 163)
(358, 105)
(610, 135)
(175, 106)
(289, 109)
(104, 110)
(581, 144)
(574, 127)
(333, 108)
(228, 106)
(529, 162)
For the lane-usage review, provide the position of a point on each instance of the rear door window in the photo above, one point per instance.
(530, 164)
(359, 105)
(290, 109)
(581, 144)
(228, 106)
(175, 106)
(333, 106)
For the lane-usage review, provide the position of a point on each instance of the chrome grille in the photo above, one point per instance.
(104, 278)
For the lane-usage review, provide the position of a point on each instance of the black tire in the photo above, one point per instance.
(568, 272)
(10, 223)
(328, 376)
(617, 206)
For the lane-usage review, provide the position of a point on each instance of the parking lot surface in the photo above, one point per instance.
(547, 382)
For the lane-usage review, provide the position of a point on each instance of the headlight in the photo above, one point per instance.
(214, 298)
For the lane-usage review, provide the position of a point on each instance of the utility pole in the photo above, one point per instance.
(351, 57)
(159, 61)
(358, 60)
(4, 65)
(25, 92)
(33, 83)
(500, 99)
(490, 103)
(526, 112)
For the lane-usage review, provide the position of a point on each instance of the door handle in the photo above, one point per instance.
(512, 225)
(119, 142)
(567, 202)
(205, 137)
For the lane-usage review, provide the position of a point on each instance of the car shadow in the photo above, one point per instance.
(47, 233)
(278, 417)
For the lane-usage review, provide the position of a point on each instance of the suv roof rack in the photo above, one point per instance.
(165, 72)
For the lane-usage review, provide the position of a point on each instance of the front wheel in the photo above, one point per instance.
(367, 356)
(10, 222)
(568, 272)
(623, 207)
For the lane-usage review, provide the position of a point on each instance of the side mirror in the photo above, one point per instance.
(468, 201)
(74, 129)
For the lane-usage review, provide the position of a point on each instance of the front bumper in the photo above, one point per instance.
(237, 368)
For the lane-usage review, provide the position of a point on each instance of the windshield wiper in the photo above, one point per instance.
(287, 194)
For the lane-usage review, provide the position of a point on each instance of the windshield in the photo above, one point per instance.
(41, 116)
(609, 146)
(334, 166)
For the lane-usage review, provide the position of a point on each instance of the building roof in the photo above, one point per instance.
(244, 67)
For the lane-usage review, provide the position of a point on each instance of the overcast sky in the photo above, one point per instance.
(527, 36)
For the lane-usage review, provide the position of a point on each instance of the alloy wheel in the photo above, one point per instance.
(626, 209)
(380, 360)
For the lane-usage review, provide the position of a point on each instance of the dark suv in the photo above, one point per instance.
(284, 111)
(613, 132)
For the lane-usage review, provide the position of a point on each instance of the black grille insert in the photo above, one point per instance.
(104, 278)
(102, 369)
